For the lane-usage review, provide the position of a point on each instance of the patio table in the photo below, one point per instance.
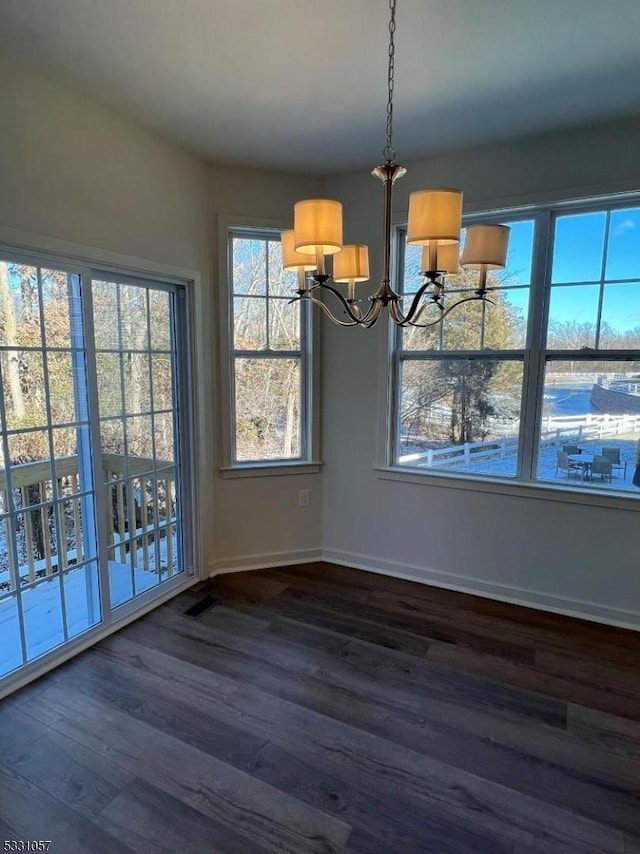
(585, 461)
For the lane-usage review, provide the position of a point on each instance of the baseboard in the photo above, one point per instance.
(245, 563)
(501, 592)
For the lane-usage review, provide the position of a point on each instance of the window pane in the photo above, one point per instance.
(137, 385)
(62, 387)
(473, 326)
(462, 329)
(42, 613)
(249, 266)
(573, 317)
(105, 315)
(519, 254)
(140, 441)
(19, 306)
(284, 325)
(82, 598)
(578, 247)
(112, 436)
(461, 415)
(249, 323)
(591, 409)
(267, 409)
(506, 321)
(416, 338)
(23, 389)
(164, 438)
(162, 373)
(623, 255)
(620, 326)
(31, 474)
(282, 283)
(108, 366)
(160, 319)
(134, 334)
(412, 279)
(56, 307)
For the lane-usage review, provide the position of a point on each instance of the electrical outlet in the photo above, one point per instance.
(304, 497)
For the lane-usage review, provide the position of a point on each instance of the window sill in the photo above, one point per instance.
(502, 486)
(275, 469)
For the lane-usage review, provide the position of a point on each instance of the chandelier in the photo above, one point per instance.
(435, 220)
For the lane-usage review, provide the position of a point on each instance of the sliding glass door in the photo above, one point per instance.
(136, 357)
(91, 451)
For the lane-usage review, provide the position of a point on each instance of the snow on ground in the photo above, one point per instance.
(42, 606)
(547, 464)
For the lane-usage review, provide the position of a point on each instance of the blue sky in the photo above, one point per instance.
(578, 255)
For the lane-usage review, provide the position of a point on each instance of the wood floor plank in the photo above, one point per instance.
(505, 748)
(72, 774)
(565, 686)
(386, 672)
(631, 845)
(219, 791)
(316, 708)
(33, 814)
(373, 811)
(144, 812)
(482, 757)
(304, 737)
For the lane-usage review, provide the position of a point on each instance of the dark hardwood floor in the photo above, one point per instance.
(319, 709)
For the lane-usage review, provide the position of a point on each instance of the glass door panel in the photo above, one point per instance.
(49, 589)
(136, 378)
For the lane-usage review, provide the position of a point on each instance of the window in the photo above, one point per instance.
(270, 366)
(544, 384)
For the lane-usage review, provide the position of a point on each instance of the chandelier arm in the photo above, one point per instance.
(344, 302)
(446, 311)
(372, 314)
(415, 310)
(325, 308)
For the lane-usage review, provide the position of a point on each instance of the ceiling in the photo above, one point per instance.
(300, 85)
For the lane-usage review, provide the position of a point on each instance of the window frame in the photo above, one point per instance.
(536, 355)
(308, 461)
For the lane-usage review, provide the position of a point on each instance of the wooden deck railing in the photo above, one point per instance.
(140, 515)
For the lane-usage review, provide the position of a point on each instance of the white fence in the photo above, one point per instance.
(555, 431)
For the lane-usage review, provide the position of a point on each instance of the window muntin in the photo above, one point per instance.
(270, 364)
(582, 340)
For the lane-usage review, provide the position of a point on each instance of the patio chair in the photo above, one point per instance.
(613, 454)
(571, 449)
(603, 466)
(563, 463)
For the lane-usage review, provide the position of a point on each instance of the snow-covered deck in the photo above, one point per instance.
(43, 611)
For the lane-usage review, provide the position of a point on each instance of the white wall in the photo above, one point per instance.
(75, 172)
(569, 556)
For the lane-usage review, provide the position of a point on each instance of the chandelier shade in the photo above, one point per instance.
(317, 224)
(292, 260)
(434, 215)
(447, 259)
(352, 264)
(485, 246)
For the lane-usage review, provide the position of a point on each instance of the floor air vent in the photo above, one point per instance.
(201, 606)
